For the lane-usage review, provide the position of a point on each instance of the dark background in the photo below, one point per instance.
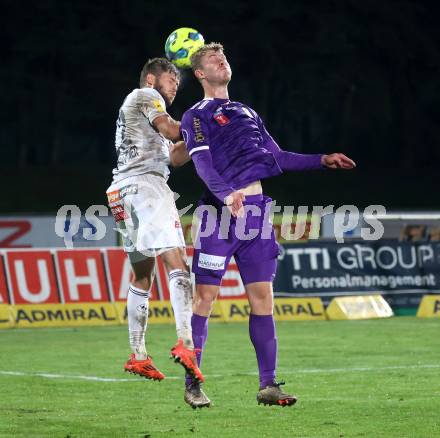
(360, 77)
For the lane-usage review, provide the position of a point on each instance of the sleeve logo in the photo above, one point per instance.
(197, 126)
(158, 105)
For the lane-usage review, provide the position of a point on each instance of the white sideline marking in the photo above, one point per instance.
(355, 369)
(64, 376)
(297, 371)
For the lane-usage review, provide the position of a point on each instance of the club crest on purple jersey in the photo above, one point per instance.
(220, 118)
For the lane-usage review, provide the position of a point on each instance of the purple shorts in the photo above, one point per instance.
(251, 240)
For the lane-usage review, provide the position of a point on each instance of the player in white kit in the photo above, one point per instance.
(145, 212)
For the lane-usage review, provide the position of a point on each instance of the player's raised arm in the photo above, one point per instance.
(153, 105)
(168, 127)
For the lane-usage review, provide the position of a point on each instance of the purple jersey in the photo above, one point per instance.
(238, 147)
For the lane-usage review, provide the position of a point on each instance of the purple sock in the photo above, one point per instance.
(263, 336)
(199, 325)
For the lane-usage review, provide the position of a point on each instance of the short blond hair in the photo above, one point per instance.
(196, 57)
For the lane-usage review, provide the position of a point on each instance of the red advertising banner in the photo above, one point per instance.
(32, 277)
(120, 274)
(162, 280)
(82, 275)
(3, 285)
(232, 286)
(49, 276)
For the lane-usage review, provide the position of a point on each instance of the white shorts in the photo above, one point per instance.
(146, 215)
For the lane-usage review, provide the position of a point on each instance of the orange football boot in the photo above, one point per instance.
(188, 359)
(144, 368)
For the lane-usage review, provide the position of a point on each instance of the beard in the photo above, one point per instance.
(160, 90)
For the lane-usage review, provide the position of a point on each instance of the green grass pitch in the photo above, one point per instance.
(376, 378)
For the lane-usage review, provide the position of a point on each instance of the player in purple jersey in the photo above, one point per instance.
(232, 151)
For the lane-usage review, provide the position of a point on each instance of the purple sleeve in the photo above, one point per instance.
(194, 131)
(203, 162)
(289, 161)
(196, 135)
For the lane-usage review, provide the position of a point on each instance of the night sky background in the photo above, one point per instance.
(359, 77)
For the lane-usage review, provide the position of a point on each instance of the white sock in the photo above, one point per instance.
(137, 315)
(181, 296)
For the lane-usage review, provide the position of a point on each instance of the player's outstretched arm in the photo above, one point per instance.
(168, 127)
(337, 161)
(179, 154)
(291, 161)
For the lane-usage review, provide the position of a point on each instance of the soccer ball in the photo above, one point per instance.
(181, 44)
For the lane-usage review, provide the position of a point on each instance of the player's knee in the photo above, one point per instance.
(204, 301)
(175, 259)
(143, 282)
(176, 264)
(261, 304)
(207, 299)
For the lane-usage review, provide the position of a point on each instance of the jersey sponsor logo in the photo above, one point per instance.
(131, 189)
(221, 119)
(126, 154)
(158, 105)
(119, 213)
(197, 126)
(213, 262)
(113, 197)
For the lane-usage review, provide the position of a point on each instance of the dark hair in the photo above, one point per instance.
(156, 67)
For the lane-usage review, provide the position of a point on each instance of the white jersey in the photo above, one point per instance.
(140, 148)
